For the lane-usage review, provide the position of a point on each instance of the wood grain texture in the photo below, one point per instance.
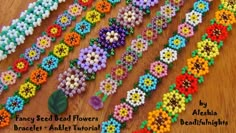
(218, 89)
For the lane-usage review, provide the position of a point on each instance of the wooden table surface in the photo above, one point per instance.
(218, 89)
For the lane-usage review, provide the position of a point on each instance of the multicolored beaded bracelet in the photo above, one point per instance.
(180, 93)
(39, 75)
(54, 31)
(158, 69)
(129, 58)
(14, 35)
(94, 57)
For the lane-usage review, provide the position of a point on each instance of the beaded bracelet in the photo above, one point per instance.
(39, 75)
(134, 52)
(44, 41)
(158, 69)
(14, 35)
(180, 93)
(94, 58)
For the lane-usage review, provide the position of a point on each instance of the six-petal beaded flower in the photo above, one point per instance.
(225, 17)
(20, 65)
(61, 50)
(72, 81)
(32, 54)
(174, 102)
(149, 33)
(112, 37)
(129, 58)
(50, 63)
(207, 49)
(103, 6)
(197, 66)
(201, 6)
(147, 82)
(64, 19)
(38, 76)
(8, 77)
(75, 9)
(177, 42)
(119, 72)
(159, 22)
(193, 18)
(111, 126)
(217, 32)
(229, 5)
(135, 97)
(92, 59)
(93, 16)
(83, 27)
(186, 84)
(168, 55)
(168, 11)
(185, 30)
(14, 104)
(43, 42)
(144, 4)
(130, 16)
(54, 30)
(159, 121)
(72, 39)
(158, 69)
(123, 112)
(4, 118)
(108, 86)
(27, 90)
(139, 45)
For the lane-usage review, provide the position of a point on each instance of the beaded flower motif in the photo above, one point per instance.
(119, 72)
(85, 2)
(159, 22)
(158, 69)
(229, 5)
(72, 81)
(201, 6)
(61, 50)
(96, 102)
(50, 63)
(186, 84)
(93, 16)
(129, 58)
(38, 76)
(111, 126)
(168, 55)
(123, 112)
(130, 16)
(177, 42)
(72, 39)
(83, 27)
(168, 11)
(112, 37)
(8, 77)
(225, 17)
(108, 86)
(149, 33)
(197, 66)
(194, 18)
(92, 59)
(4, 118)
(54, 30)
(103, 6)
(43, 42)
(185, 30)
(207, 49)
(64, 19)
(20, 65)
(177, 3)
(139, 45)
(144, 4)
(14, 104)
(173, 102)
(75, 9)
(217, 32)
(32, 54)
(159, 121)
(135, 97)
(147, 82)
(27, 90)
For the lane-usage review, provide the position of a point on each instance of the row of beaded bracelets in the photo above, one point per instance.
(27, 90)
(54, 31)
(180, 93)
(138, 46)
(15, 34)
(158, 69)
(94, 57)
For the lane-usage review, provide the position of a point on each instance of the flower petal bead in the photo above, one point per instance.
(147, 82)
(225, 17)
(174, 102)
(75, 9)
(159, 22)
(229, 5)
(108, 86)
(32, 54)
(93, 16)
(177, 42)
(129, 58)
(201, 6)
(123, 112)
(197, 66)
(96, 102)
(168, 55)
(130, 16)
(193, 18)
(135, 97)
(111, 126)
(149, 33)
(43, 42)
(103, 6)
(50, 63)
(27, 90)
(83, 27)
(158, 69)
(8, 77)
(38, 76)
(85, 2)
(119, 72)
(186, 84)
(54, 30)
(5, 118)
(64, 19)
(145, 4)
(139, 45)
(20, 65)
(207, 49)
(168, 11)
(185, 30)
(217, 32)
(72, 39)
(72, 82)
(61, 50)
(14, 104)
(92, 59)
